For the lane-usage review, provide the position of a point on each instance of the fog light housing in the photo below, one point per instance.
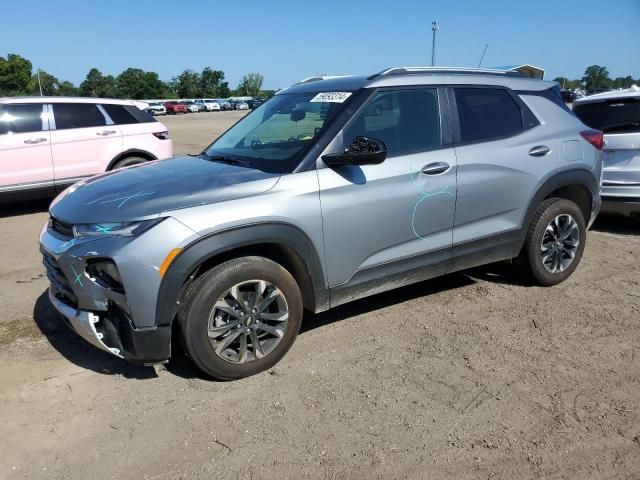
(106, 274)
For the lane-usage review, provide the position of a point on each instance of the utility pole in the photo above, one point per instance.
(39, 84)
(434, 28)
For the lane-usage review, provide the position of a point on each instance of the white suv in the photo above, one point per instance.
(48, 143)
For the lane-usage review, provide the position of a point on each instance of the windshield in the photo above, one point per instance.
(275, 136)
(613, 116)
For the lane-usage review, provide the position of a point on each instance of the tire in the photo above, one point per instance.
(555, 260)
(128, 161)
(201, 313)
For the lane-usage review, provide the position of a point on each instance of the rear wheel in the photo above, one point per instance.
(555, 241)
(127, 162)
(241, 317)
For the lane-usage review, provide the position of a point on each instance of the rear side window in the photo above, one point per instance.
(405, 120)
(22, 118)
(613, 116)
(127, 114)
(487, 114)
(77, 115)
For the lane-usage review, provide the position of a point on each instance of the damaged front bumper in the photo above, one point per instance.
(121, 320)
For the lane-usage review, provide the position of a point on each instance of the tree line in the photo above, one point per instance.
(17, 78)
(595, 79)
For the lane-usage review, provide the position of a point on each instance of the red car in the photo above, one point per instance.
(174, 107)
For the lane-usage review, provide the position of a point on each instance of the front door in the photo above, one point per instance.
(390, 224)
(25, 148)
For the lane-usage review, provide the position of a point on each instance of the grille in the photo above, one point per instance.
(63, 228)
(59, 283)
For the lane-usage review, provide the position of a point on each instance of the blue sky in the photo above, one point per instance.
(289, 40)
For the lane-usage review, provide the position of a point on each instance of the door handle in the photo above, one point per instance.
(106, 132)
(539, 151)
(435, 168)
(31, 141)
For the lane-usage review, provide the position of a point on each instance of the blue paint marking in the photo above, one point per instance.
(104, 228)
(78, 278)
(425, 195)
(124, 200)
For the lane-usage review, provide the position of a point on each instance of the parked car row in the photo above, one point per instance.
(172, 107)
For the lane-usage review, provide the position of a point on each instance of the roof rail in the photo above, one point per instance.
(451, 70)
(318, 78)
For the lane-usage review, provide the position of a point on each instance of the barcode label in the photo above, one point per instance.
(332, 97)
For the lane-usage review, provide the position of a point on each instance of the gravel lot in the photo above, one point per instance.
(474, 375)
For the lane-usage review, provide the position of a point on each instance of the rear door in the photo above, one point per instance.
(25, 149)
(390, 224)
(137, 128)
(502, 153)
(83, 142)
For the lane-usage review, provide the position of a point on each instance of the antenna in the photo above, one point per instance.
(434, 28)
(483, 52)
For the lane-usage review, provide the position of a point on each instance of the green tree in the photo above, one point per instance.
(212, 84)
(68, 89)
(15, 73)
(622, 82)
(251, 84)
(187, 84)
(138, 84)
(596, 78)
(97, 85)
(564, 82)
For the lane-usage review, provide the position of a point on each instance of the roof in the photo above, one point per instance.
(526, 70)
(632, 92)
(68, 100)
(398, 76)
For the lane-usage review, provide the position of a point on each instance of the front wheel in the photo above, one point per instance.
(241, 317)
(555, 241)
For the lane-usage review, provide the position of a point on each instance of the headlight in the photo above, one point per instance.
(119, 229)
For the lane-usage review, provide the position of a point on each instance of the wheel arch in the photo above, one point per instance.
(579, 185)
(132, 152)
(283, 243)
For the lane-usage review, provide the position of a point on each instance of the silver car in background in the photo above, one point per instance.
(617, 114)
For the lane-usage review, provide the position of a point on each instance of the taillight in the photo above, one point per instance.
(161, 135)
(594, 137)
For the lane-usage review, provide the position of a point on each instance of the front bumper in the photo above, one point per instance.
(121, 322)
(146, 346)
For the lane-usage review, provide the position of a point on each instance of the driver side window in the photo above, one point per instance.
(406, 121)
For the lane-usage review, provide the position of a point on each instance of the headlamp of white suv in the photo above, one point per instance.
(117, 229)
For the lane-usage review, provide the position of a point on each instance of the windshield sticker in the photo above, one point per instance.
(331, 97)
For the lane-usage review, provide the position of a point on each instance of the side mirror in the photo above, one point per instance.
(363, 151)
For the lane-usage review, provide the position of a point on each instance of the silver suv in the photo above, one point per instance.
(333, 190)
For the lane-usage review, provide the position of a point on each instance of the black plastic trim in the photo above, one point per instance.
(218, 243)
(129, 153)
(391, 275)
(581, 177)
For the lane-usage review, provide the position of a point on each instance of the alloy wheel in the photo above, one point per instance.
(560, 243)
(248, 321)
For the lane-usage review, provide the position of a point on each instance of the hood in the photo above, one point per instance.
(150, 189)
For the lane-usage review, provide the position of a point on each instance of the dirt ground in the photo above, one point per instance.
(474, 375)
